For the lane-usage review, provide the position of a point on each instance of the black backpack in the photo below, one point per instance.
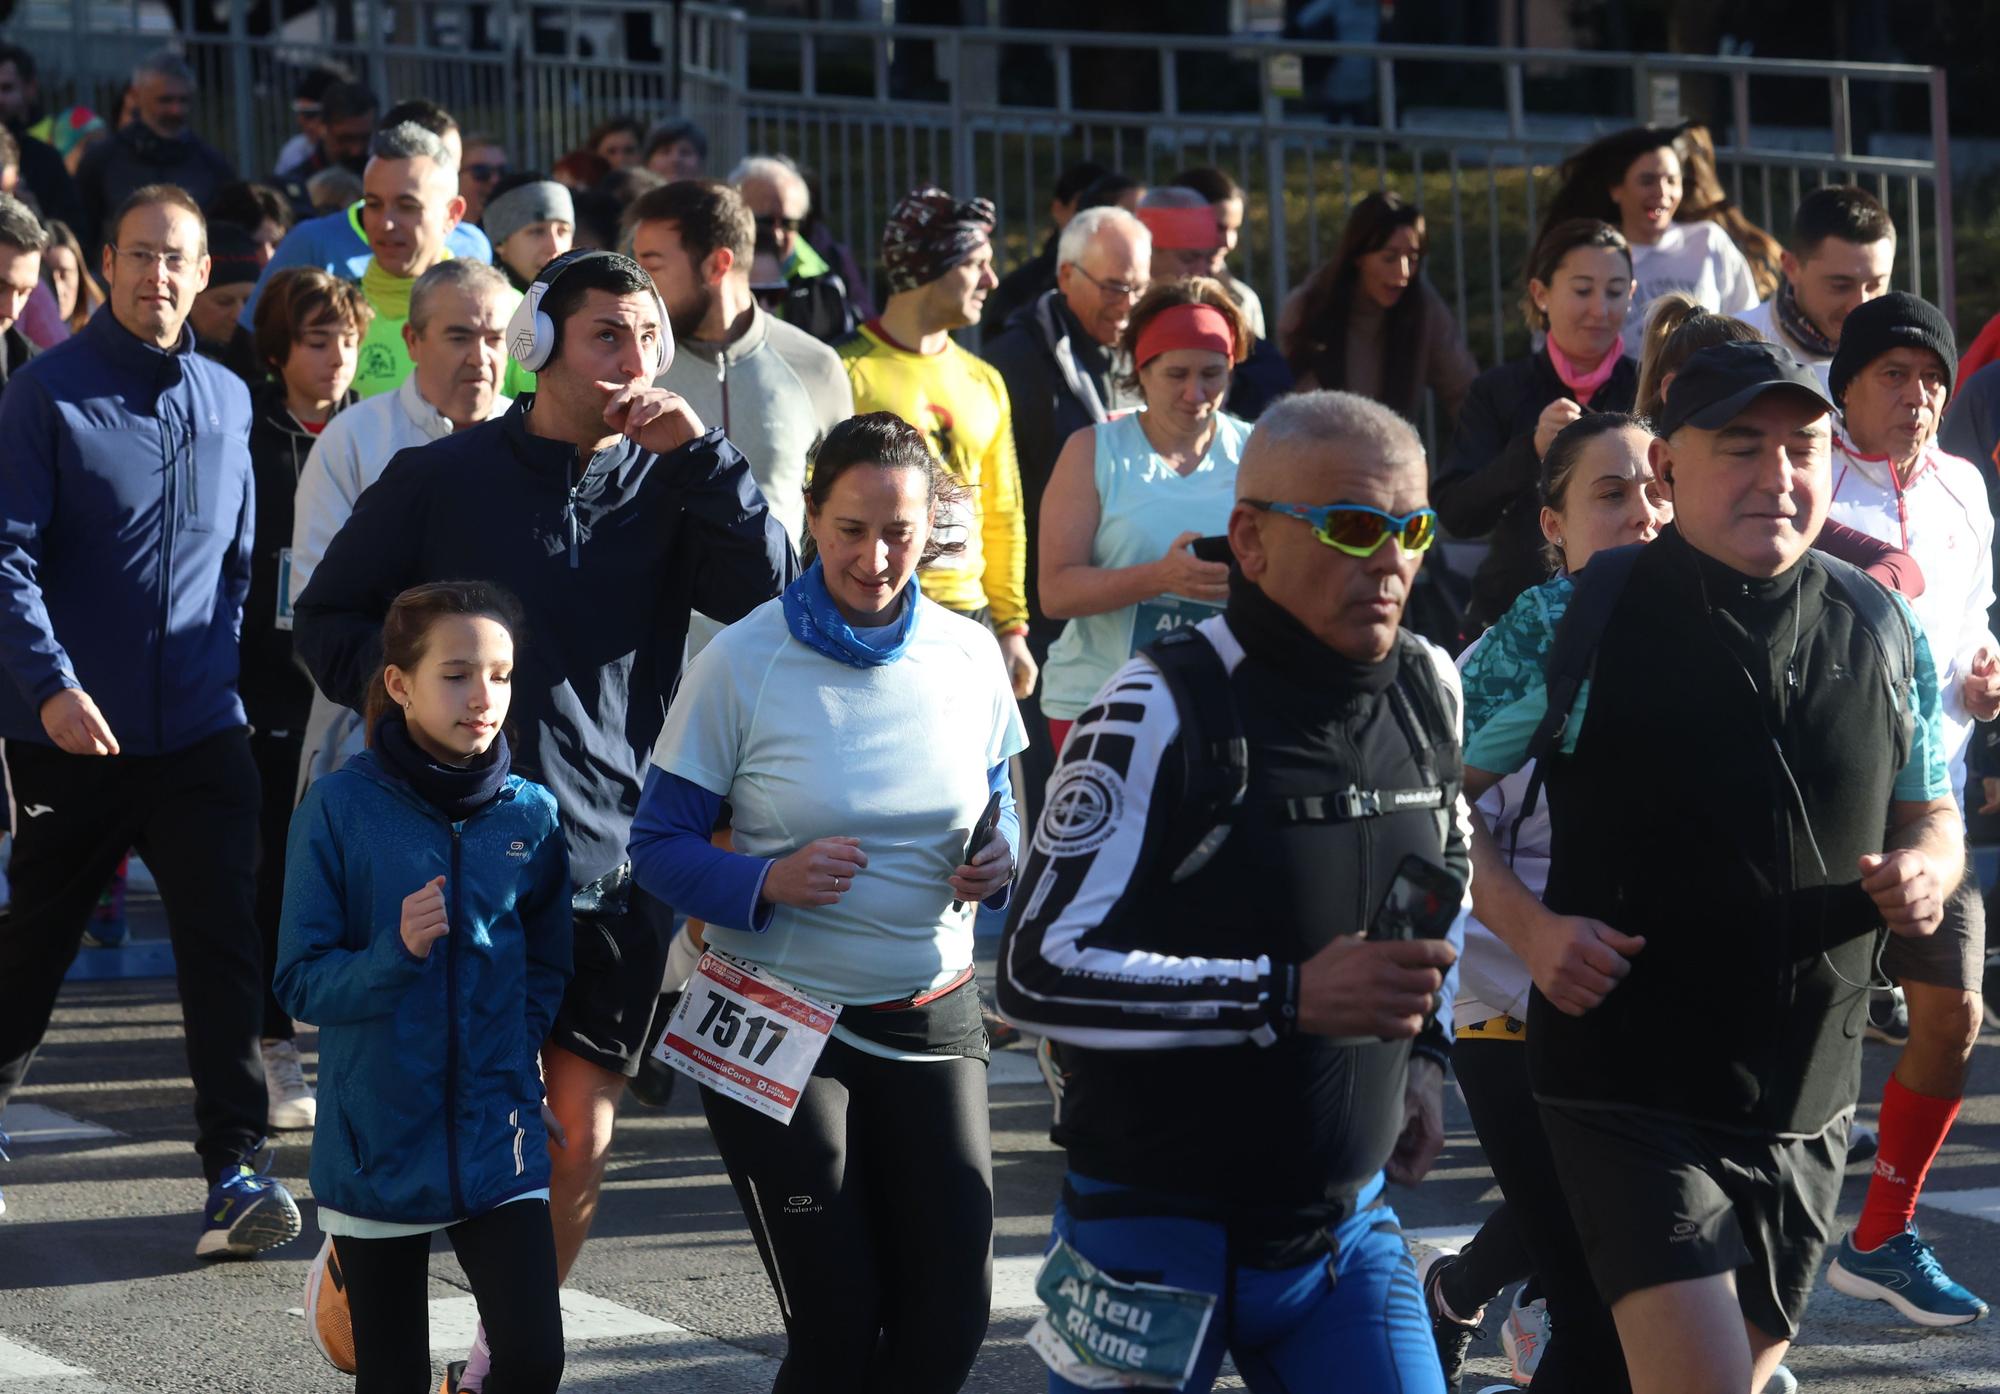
(1597, 589)
(1216, 754)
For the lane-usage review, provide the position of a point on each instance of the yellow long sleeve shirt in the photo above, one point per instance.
(960, 403)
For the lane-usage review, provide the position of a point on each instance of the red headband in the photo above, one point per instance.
(1194, 326)
(1183, 229)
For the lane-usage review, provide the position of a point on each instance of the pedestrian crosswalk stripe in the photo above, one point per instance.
(18, 1362)
(1980, 1204)
(585, 1318)
(27, 1124)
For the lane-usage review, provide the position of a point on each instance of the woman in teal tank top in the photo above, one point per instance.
(1127, 498)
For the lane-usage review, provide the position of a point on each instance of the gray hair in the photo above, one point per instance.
(778, 169)
(163, 62)
(20, 228)
(475, 278)
(406, 140)
(1077, 235)
(1319, 421)
(1173, 196)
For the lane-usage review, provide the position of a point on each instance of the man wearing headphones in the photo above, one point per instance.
(1758, 716)
(606, 507)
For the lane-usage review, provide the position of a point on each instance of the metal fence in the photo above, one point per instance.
(873, 109)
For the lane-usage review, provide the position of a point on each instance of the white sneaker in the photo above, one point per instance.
(1524, 1336)
(292, 1101)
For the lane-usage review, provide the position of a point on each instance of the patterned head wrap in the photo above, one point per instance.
(929, 233)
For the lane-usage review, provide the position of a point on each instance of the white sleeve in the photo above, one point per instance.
(1460, 839)
(325, 498)
(702, 740)
(1734, 279)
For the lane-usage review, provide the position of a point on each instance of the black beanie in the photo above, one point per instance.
(1895, 320)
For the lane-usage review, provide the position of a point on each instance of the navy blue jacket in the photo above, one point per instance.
(606, 561)
(429, 1095)
(126, 513)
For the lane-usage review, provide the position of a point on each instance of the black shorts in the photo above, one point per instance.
(1954, 955)
(1658, 1200)
(606, 1016)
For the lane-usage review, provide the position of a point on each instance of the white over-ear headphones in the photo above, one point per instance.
(531, 335)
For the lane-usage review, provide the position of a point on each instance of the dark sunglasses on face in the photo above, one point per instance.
(486, 174)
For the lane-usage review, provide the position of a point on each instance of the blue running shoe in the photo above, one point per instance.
(1904, 1273)
(246, 1214)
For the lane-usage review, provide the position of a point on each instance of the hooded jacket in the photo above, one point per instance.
(126, 514)
(607, 561)
(430, 1099)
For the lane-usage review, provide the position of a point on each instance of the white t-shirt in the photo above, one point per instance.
(805, 747)
(1698, 258)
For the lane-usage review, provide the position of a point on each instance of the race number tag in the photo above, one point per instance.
(1100, 1333)
(745, 1033)
(284, 616)
(1163, 614)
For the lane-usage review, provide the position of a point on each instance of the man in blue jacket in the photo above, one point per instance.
(125, 539)
(605, 506)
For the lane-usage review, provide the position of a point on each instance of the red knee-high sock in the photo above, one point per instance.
(1913, 1129)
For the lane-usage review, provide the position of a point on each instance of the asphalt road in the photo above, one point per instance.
(100, 1291)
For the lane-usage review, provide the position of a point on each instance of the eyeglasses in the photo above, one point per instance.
(1357, 529)
(143, 259)
(780, 224)
(1124, 290)
(486, 174)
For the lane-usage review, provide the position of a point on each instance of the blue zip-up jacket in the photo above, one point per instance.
(335, 244)
(126, 517)
(607, 556)
(429, 1094)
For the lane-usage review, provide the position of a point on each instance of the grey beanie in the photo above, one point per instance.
(523, 204)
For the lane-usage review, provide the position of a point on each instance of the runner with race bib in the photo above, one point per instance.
(861, 734)
(1128, 498)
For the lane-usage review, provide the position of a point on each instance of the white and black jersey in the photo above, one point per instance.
(1168, 979)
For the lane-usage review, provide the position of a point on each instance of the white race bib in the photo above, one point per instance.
(746, 1033)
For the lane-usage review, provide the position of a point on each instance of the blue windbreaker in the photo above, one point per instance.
(429, 1095)
(335, 244)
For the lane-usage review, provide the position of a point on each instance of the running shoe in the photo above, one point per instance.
(1782, 1381)
(1863, 1142)
(453, 1373)
(292, 1105)
(1052, 1071)
(1453, 1336)
(326, 1309)
(1524, 1336)
(247, 1213)
(1888, 1017)
(1905, 1273)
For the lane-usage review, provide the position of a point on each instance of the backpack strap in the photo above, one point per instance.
(1894, 640)
(1215, 754)
(1567, 663)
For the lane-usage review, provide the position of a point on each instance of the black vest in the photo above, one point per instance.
(1676, 819)
(1274, 1140)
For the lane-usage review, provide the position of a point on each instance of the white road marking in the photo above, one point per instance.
(1980, 1204)
(585, 1318)
(27, 1124)
(25, 1362)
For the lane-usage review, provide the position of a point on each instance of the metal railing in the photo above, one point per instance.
(873, 109)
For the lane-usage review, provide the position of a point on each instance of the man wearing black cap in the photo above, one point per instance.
(1891, 375)
(234, 259)
(1786, 712)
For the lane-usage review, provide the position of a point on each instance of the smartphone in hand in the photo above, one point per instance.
(982, 833)
(1421, 902)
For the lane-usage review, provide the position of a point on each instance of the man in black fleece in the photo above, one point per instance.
(603, 504)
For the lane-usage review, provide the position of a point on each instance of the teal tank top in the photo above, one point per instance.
(1143, 506)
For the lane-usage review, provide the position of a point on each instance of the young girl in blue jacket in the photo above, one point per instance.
(426, 932)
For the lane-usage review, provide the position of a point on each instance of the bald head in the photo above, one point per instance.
(1309, 451)
(1323, 447)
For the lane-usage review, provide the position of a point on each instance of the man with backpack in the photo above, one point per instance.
(1245, 888)
(1727, 722)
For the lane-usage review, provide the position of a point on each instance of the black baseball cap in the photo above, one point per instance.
(1717, 383)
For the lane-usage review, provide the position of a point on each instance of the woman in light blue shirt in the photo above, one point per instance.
(1128, 498)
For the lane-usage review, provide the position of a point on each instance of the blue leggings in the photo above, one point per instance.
(1352, 1324)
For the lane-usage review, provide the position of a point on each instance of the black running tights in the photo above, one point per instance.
(873, 1212)
(509, 1258)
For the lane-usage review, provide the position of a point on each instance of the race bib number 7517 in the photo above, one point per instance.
(746, 1033)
